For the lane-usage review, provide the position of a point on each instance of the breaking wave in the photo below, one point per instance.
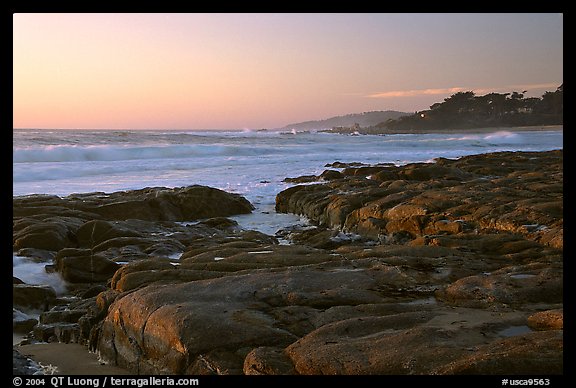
(71, 153)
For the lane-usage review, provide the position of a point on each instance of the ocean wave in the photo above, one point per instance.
(495, 138)
(503, 137)
(71, 153)
(237, 161)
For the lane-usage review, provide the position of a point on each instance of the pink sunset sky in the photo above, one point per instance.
(233, 71)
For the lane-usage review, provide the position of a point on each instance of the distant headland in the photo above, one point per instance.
(460, 111)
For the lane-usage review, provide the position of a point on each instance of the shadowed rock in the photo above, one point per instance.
(453, 267)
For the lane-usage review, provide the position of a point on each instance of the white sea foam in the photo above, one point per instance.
(73, 153)
(504, 137)
(32, 272)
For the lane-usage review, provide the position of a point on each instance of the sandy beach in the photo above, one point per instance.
(68, 359)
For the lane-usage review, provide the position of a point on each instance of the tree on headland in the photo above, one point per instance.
(552, 102)
(466, 110)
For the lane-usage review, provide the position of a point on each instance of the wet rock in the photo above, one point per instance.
(68, 316)
(364, 171)
(83, 266)
(321, 238)
(32, 296)
(22, 365)
(302, 179)
(57, 332)
(219, 223)
(38, 255)
(338, 164)
(21, 322)
(385, 175)
(427, 171)
(329, 175)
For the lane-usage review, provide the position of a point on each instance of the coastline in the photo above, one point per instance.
(405, 292)
(533, 128)
(483, 130)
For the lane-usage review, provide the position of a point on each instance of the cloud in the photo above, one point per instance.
(415, 92)
(550, 85)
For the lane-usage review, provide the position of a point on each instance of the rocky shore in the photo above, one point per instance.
(375, 130)
(452, 267)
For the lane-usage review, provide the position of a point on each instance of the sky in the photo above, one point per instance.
(237, 71)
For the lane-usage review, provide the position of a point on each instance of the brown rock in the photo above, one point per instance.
(385, 175)
(511, 285)
(94, 232)
(427, 171)
(217, 362)
(54, 316)
(537, 353)
(302, 179)
(447, 198)
(237, 258)
(139, 266)
(138, 279)
(183, 321)
(547, 320)
(330, 175)
(178, 204)
(31, 296)
(374, 345)
(157, 203)
(463, 253)
(83, 266)
(21, 322)
(51, 234)
(177, 330)
(268, 361)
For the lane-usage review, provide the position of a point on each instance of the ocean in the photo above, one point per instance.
(251, 163)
